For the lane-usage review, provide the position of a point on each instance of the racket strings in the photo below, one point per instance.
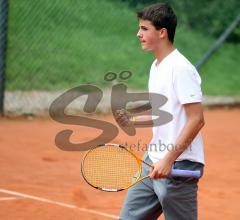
(110, 167)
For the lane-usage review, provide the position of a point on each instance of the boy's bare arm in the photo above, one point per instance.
(195, 121)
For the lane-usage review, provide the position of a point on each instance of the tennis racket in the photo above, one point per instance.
(113, 167)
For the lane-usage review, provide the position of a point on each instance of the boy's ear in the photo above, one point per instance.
(163, 33)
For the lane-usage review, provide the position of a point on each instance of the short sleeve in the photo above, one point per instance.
(187, 84)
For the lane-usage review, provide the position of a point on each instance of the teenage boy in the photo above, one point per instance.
(173, 76)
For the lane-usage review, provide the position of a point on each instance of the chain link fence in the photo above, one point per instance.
(56, 45)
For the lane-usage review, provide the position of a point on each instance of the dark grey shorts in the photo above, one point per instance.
(175, 197)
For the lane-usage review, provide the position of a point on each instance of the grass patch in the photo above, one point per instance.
(60, 44)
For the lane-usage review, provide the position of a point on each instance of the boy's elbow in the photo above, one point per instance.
(198, 121)
(201, 122)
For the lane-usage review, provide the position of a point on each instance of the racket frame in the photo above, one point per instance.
(138, 159)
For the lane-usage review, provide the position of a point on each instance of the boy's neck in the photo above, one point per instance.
(163, 50)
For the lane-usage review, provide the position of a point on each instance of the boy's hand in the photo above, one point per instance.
(123, 117)
(162, 169)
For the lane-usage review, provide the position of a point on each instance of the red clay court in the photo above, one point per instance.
(39, 181)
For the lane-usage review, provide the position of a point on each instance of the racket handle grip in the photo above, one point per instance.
(186, 173)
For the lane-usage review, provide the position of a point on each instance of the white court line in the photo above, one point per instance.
(8, 198)
(58, 203)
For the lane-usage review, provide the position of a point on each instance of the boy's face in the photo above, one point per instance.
(148, 35)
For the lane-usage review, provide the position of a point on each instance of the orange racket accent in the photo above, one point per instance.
(112, 167)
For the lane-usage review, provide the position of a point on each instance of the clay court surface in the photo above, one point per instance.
(39, 181)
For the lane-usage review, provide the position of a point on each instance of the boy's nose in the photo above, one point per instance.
(139, 34)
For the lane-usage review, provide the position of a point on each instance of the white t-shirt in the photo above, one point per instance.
(177, 79)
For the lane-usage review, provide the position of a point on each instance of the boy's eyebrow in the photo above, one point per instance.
(141, 26)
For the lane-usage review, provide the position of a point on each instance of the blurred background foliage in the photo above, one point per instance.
(209, 16)
(56, 45)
